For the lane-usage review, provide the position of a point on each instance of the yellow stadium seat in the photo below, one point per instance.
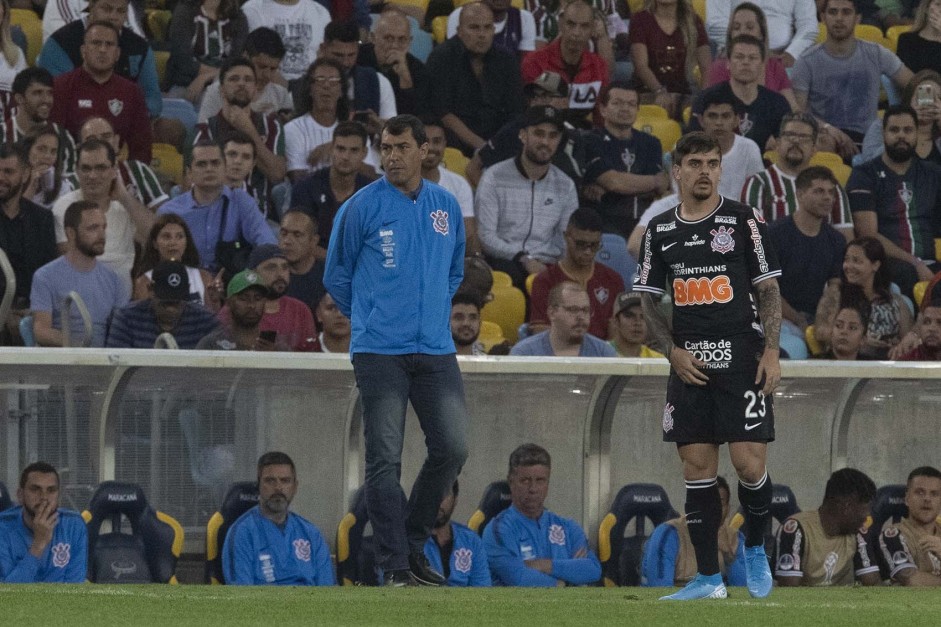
(519, 4)
(31, 25)
(937, 248)
(636, 6)
(501, 279)
(161, 57)
(158, 21)
(491, 334)
(815, 347)
(529, 284)
(455, 161)
(892, 35)
(687, 114)
(866, 32)
(418, 4)
(439, 28)
(166, 159)
(652, 111)
(667, 131)
(507, 309)
(833, 161)
(240, 497)
(700, 7)
(918, 291)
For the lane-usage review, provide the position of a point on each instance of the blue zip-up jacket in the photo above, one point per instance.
(468, 562)
(65, 560)
(511, 539)
(259, 553)
(393, 265)
(659, 563)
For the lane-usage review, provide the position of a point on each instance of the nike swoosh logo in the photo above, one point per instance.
(665, 246)
(750, 427)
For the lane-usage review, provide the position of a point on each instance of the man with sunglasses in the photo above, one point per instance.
(582, 241)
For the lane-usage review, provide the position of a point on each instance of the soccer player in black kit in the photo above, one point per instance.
(715, 255)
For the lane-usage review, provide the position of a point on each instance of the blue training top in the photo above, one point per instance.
(511, 539)
(259, 552)
(468, 563)
(393, 264)
(65, 560)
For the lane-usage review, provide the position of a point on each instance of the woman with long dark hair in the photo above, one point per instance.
(865, 283)
(46, 181)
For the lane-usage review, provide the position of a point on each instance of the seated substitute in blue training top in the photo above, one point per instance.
(527, 545)
(39, 542)
(454, 550)
(268, 545)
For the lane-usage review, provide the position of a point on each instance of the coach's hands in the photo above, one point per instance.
(542, 565)
(687, 367)
(44, 525)
(769, 368)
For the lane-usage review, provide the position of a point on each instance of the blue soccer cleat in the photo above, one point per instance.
(701, 587)
(757, 572)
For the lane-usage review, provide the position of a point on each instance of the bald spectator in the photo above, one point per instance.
(582, 242)
(514, 29)
(388, 54)
(569, 315)
(570, 55)
(473, 86)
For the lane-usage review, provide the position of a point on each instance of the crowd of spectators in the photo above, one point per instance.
(536, 116)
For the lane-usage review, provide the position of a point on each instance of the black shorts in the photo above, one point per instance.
(729, 408)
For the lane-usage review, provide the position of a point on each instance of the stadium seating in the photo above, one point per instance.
(501, 279)
(158, 22)
(699, 6)
(918, 291)
(240, 498)
(888, 504)
(783, 505)
(167, 160)
(439, 29)
(496, 498)
(147, 554)
(182, 110)
(613, 253)
(455, 161)
(26, 331)
(490, 334)
(508, 309)
(892, 35)
(31, 25)
(5, 501)
(161, 57)
(652, 111)
(355, 553)
(620, 556)
(667, 131)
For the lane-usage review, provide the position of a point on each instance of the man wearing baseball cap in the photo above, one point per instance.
(523, 204)
(288, 318)
(138, 324)
(629, 329)
(549, 88)
(246, 295)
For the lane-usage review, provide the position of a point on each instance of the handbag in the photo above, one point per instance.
(232, 255)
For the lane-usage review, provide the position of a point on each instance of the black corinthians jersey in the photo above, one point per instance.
(710, 266)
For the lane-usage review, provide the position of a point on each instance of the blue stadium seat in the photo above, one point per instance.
(5, 501)
(783, 506)
(355, 549)
(613, 253)
(496, 498)
(240, 498)
(621, 556)
(887, 505)
(182, 110)
(26, 331)
(147, 554)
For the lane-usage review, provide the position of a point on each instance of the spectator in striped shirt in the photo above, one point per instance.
(139, 324)
(32, 95)
(136, 176)
(774, 190)
(237, 85)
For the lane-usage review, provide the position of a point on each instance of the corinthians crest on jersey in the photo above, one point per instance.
(712, 285)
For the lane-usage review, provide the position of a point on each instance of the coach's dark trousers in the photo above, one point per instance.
(434, 386)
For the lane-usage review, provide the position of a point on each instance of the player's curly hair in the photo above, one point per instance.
(849, 483)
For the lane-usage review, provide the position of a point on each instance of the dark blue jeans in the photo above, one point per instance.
(434, 386)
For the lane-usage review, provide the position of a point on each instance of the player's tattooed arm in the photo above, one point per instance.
(658, 327)
(769, 310)
(686, 366)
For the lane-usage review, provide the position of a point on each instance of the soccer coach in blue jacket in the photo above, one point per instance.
(395, 259)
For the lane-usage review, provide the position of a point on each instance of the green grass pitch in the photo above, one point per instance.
(220, 605)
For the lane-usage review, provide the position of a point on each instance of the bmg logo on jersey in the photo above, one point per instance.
(716, 354)
(702, 291)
